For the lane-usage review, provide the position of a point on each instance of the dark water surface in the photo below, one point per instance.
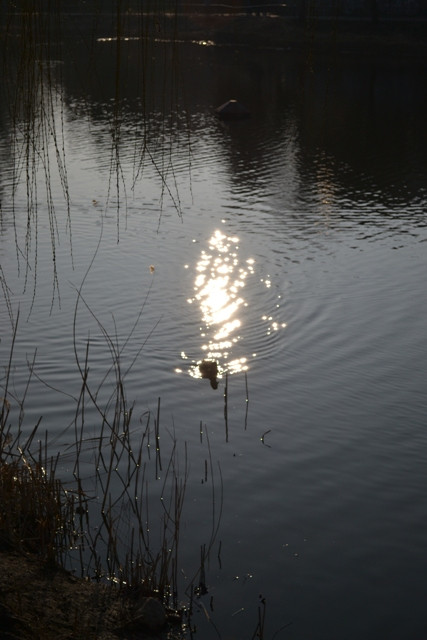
(291, 247)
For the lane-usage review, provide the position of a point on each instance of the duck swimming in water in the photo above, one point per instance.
(209, 370)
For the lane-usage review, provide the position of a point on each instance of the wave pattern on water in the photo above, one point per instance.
(215, 236)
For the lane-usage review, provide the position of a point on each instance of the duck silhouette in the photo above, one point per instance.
(209, 370)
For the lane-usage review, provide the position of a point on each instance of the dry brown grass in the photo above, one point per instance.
(35, 512)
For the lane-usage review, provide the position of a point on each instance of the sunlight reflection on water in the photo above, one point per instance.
(220, 278)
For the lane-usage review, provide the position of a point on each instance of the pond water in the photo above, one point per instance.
(292, 248)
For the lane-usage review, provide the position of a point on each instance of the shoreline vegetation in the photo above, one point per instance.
(90, 534)
(67, 570)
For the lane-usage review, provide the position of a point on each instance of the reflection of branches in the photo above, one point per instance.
(6, 295)
(162, 175)
(30, 48)
(35, 105)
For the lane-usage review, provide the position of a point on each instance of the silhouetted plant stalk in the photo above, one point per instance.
(226, 406)
(247, 401)
(122, 540)
(110, 535)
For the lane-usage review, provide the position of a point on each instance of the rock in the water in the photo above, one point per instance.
(150, 614)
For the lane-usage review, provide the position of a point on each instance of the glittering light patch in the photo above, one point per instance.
(219, 281)
(220, 278)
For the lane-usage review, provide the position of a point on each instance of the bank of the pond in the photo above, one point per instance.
(41, 601)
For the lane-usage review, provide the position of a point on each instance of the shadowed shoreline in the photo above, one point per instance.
(333, 36)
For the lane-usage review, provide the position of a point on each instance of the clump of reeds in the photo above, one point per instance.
(36, 514)
(102, 523)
